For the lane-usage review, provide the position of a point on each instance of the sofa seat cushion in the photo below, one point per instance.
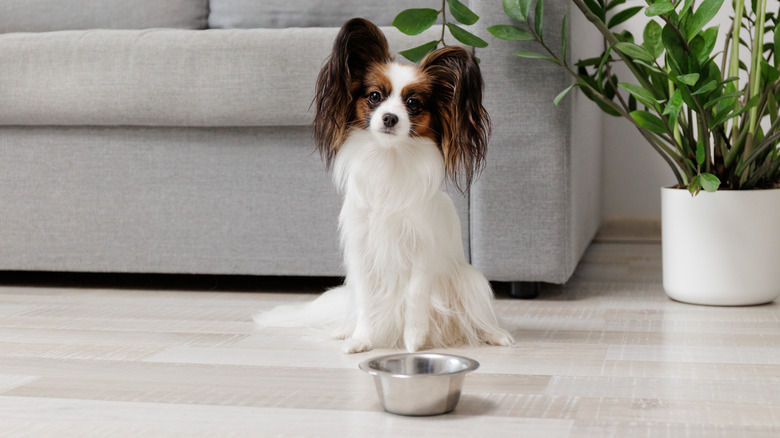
(164, 77)
(160, 77)
(47, 15)
(306, 13)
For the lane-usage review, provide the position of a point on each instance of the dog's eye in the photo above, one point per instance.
(374, 97)
(413, 105)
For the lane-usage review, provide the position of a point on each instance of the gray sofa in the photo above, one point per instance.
(172, 136)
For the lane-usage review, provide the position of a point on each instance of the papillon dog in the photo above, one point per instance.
(391, 133)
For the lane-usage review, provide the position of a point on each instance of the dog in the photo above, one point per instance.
(390, 133)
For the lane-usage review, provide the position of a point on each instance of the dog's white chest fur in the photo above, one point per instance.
(406, 271)
(394, 211)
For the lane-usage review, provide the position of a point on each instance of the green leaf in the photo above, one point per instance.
(614, 3)
(659, 8)
(710, 37)
(769, 74)
(596, 8)
(649, 67)
(652, 39)
(649, 121)
(706, 88)
(640, 93)
(723, 97)
(674, 106)
(563, 93)
(686, 7)
(634, 51)
(415, 21)
(674, 49)
(721, 116)
(777, 48)
(538, 15)
(700, 154)
(623, 15)
(591, 62)
(710, 182)
(689, 79)
(510, 33)
(632, 103)
(601, 104)
(702, 16)
(694, 187)
(533, 55)
(659, 81)
(462, 13)
(517, 9)
(727, 114)
(465, 36)
(416, 54)
(600, 68)
(688, 160)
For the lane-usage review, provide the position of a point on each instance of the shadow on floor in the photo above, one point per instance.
(194, 282)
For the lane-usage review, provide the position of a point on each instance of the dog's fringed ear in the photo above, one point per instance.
(358, 45)
(465, 124)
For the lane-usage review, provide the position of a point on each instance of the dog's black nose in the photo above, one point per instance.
(390, 120)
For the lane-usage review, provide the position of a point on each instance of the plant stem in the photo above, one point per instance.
(736, 26)
(676, 122)
(755, 74)
(765, 144)
(443, 21)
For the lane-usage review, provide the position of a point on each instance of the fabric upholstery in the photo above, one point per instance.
(48, 15)
(525, 220)
(228, 201)
(176, 200)
(184, 151)
(306, 13)
(163, 77)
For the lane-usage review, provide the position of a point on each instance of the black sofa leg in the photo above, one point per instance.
(524, 290)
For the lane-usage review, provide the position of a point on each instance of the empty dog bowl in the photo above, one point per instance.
(419, 383)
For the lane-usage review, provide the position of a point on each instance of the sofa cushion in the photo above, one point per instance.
(226, 14)
(48, 15)
(173, 200)
(166, 77)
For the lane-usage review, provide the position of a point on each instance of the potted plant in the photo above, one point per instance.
(712, 116)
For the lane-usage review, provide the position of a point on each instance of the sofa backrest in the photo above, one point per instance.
(247, 14)
(53, 15)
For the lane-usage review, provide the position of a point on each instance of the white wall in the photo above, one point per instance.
(633, 172)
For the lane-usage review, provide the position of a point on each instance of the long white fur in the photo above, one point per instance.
(408, 283)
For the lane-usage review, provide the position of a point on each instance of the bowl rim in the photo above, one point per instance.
(471, 365)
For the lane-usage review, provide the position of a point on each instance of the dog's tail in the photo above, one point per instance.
(326, 311)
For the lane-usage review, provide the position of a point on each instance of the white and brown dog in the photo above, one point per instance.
(391, 132)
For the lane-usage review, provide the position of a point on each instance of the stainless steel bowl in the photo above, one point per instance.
(419, 383)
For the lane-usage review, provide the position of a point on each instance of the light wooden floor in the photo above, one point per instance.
(608, 355)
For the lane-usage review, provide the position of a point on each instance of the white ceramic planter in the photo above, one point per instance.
(722, 248)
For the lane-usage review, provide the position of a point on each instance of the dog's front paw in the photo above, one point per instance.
(341, 333)
(499, 337)
(356, 345)
(414, 340)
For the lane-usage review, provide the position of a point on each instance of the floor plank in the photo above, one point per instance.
(607, 355)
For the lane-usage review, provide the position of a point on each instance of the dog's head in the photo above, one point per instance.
(362, 88)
